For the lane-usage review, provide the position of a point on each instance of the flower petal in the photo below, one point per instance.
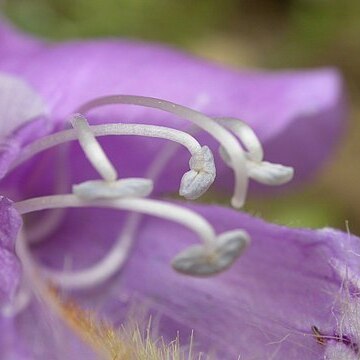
(296, 114)
(10, 268)
(266, 305)
(22, 114)
(18, 104)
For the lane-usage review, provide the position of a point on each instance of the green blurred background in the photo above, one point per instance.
(244, 33)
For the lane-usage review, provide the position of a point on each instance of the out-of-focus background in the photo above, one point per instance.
(243, 33)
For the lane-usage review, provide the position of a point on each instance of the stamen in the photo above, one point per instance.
(225, 138)
(228, 247)
(262, 171)
(101, 162)
(215, 255)
(92, 148)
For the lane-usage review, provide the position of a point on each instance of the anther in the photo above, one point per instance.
(201, 175)
(268, 173)
(199, 260)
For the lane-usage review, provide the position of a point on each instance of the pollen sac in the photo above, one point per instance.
(197, 260)
(269, 174)
(201, 175)
(99, 189)
(263, 172)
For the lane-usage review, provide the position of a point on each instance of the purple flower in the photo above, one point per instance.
(292, 295)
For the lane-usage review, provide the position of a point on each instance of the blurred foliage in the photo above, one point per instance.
(162, 20)
(255, 33)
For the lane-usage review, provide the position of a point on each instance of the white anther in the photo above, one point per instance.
(268, 173)
(92, 148)
(201, 175)
(220, 133)
(124, 188)
(199, 260)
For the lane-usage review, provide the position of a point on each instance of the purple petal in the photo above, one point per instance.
(296, 114)
(10, 268)
(23, 112)
(266, 305)
(18, 103)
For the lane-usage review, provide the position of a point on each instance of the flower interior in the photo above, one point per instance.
(240, 149)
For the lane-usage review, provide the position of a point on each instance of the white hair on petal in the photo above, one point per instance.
(339, 351)
(344, 343)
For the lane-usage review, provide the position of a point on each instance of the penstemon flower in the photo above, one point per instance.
(70, 279)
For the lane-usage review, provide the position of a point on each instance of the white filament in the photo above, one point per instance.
(124, 188)
(31, 276)
(246, 135)
(92, 148)
(110, 264)
(64, 136)
(38, 231)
